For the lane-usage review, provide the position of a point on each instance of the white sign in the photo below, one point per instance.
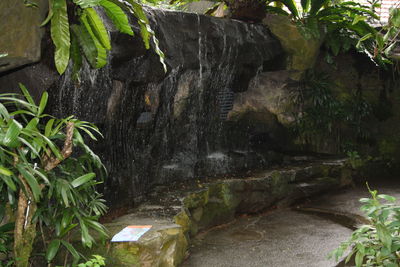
(131, 233)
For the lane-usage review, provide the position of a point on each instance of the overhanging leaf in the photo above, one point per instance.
(95, 53)
(98, 27)
(60, 35)
(82, 179)
(11, 137)
(117, 16)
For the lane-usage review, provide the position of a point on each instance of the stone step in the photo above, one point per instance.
(179, 212)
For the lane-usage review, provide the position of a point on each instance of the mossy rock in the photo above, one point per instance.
(196, 199)
(302, 52)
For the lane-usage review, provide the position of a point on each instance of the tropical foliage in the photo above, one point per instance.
(47, 179)
(377, 243)
(384, 41)
(321, 113)
(77, 28)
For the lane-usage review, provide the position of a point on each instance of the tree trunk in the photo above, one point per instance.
(25, 230)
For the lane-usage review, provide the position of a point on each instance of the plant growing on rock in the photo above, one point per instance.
(77, 28)
(47, 185)
(378, 243)
(385, 40)
(323, 115)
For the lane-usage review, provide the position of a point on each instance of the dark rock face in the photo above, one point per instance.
(20, 32)
(161, 127)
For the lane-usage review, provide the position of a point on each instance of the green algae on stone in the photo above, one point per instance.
(196, 199)
(124, 254)
(183, 220)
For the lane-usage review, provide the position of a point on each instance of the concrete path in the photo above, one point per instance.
(284, 238)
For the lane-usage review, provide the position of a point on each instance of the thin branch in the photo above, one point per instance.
(52, 162)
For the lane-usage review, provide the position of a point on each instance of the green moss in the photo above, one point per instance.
(216, 213)
(280, 184)
(124, 254)
(183, 220)
(196, 199)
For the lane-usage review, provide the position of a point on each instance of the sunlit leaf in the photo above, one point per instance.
(117, 16)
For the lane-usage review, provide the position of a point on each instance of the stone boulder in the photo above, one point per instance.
(20, 32)
(302, 52)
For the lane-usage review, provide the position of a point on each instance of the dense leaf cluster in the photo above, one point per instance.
(378, 243)
(77, 28)
(59, 185)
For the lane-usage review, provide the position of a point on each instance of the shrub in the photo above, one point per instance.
(378, 243)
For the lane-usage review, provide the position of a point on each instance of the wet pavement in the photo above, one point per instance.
(285, 237)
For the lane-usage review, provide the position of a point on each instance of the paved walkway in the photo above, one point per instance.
(284, 238)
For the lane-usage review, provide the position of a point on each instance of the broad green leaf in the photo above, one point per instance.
(49, 127)
(94, 52)
(32, 124)
(96, 226)
(4, 112)
(64, 190)
(52, 249)
(117, 16)
(359, 259)
(52, 147)
(387, 197)
(379, 40)
(34, 151)
(11, 137)
(82, 179)
(32, 182)
(87, 3)
(394, 19)
(9, 182)
(60, 35)
(98, 27)
(19, 101)
(87, 239)
(5, 171)
(384, 235)
(43, 103)
(143, 21)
